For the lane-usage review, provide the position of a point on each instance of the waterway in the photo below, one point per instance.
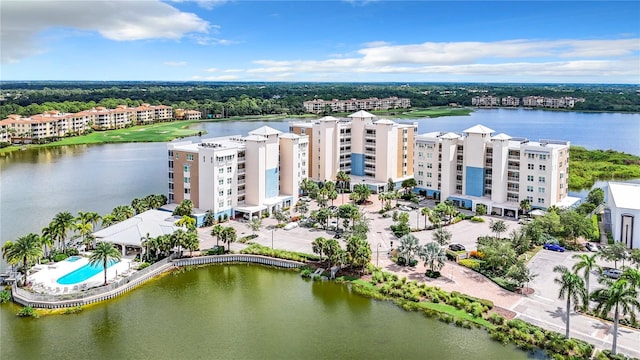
(242, 312)
(37, 184)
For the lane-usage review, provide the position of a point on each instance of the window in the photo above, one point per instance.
(561, 175)
(221, 203)
(429, 184)
(429, 175)
(170, 175)
(420, 182)
(541, 179)
(229, 170)
(221, 182)
(228, 202)
(187, 191)
(531, 156)
(221, 192)
(542, 167)
(540, 200)
(186, 168)
(229, 180)
(429, 155)
(229, 192)
(541, 190)
(189, 157)
(530, 198)
(529, 188)
(420, 173)
(187, 180)
(429, 165)
(543, 157)
(529, 177)
(220, 171)
(530, 166)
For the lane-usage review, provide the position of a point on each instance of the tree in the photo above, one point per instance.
(209, 219)
(442, 236)
(184, 208)
(228, 236)
(521, 243)
(635, 257)
(498, 255)
(318, 245)
(191, 241)
(621, 296)
(408, 184)
(343, 179)
(187, 221)
(614, 252)
(217, 232)
(61, 224)
(255, 224)
(104, 253)
(586, 263)
(497, 227)
(26, 249)
(525, 206)
(122, 213)
(571, 287)
(280, 215)
(334, 252)
(433, 256)
(596, 196)
(574, 224)
(520, 274)
(108, 220)
(481, 209)
(302, 207)
(391, 185)
(426, 212)
(408, 247)
(358, 252)
(46, 240)
(360, 194)
(140, 205)
(348, 212)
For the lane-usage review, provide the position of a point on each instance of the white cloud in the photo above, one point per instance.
(205, 4)
(211, 70)
(175, 63)
(221, 78)
(24, 20)
(614, 60)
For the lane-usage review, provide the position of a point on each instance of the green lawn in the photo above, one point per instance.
(457, 313)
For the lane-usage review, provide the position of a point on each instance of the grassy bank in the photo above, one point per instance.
(588, 166)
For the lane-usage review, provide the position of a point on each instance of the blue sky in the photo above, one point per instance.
(368, 41)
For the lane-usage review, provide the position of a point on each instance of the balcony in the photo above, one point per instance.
(512, 167)
(514, 179)
(514, 157)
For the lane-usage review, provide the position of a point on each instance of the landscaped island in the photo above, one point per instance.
(588, 166)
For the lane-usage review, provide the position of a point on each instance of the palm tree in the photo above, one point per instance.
(621, 296)
(229, 236)
(497, 227)
(588, 263)
(122, 212)
(217, 232)
(318, 245)
(408, 247)
(61, 224)
(525, 206)
(572, 286)
(433, 256)
(442, 236)
(361, 193)
(191, 242)
(255, 224)
(26, 249)
(187, 221)
(426, 212)
(343, 178)
(104, 253)
(46, 239)
(108, 220)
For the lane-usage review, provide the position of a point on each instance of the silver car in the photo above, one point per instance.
(611, 273)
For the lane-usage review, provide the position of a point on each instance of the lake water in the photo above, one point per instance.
(37, 184)
(242, 312)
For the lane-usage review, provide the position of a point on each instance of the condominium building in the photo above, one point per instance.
(318, 106)
(510, 101)
(371, 150)
(485, 100)
(235, 175)
(182, 114)
(622, 200)
(497, 171)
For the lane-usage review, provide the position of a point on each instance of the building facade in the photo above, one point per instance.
(623, 200)
(370, 150)
(237, 175)
(318, 106)
(497, 171)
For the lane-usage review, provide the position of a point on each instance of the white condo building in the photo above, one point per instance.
(498, 171)
(623, 200)
(237, 175)
(370, 150)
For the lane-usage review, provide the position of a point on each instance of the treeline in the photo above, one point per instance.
(588, 166)
(270, 98)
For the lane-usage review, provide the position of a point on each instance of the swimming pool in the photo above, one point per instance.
(73, 258)
(83, 273)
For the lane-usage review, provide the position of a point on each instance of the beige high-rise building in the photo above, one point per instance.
(370, 150)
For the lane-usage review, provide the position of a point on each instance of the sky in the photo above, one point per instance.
(321, 41)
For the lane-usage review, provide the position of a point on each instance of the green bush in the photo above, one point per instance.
(477, 219)
(59, 257)
(470, 263)
(216, 250)
(432, 274)
(28, 311)
(143, 265)
(244, 239)
(73, 310)
(5, 296)
(72, 252)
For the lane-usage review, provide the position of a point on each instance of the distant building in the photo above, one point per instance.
(623, 200)
(182, 114)
(498, 171)
(318, 106)
(510, 101)
(485, 101)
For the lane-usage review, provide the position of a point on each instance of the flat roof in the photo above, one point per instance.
(625, 195)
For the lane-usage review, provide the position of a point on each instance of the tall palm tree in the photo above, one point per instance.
(228, 236)
(108, 220)
(104, 253)
(217, 232)
(587, 263)
(433, 256)
(318, 245)
(497, 227)
(343, 178)
(571, 286)
(26, 249)
(46, 239)
(61, 224)
(426, 212)
(122, 212)
(442, 236)
(408, 247)
(621, 296)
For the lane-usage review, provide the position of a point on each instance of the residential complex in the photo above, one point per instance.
(527, 101)
(498, 171)
(235, 175)
(182, 114)
(622, 200)
(16, 128)
(318, 106)
(370, 150)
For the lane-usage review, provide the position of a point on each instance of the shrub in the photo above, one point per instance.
(244, 239)
(72, 252)
(5, 296)
(73, 310)
(477, 219)
(59, 257)
(496, 319)
(28, 311)
(451, 255)
(470, 263)
(143, 265)
(216, 250)
(432, 274)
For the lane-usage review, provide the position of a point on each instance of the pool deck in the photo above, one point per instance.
(44, 277)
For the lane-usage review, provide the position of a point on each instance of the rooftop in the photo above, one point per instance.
(625, 195)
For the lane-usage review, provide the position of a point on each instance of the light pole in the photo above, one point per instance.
(272, 238)
(417, 219)
(378, 255)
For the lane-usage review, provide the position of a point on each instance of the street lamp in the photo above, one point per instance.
(272, 237)
(378, 255)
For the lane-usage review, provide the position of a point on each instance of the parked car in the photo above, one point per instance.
(591, 247)
(611, 273)
(338, 234)
(524, 221)
(456, 247)
(291, 225)
(553, 247)
(404, 208)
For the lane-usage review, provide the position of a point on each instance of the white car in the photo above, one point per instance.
(291, 225)
(405, 208)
